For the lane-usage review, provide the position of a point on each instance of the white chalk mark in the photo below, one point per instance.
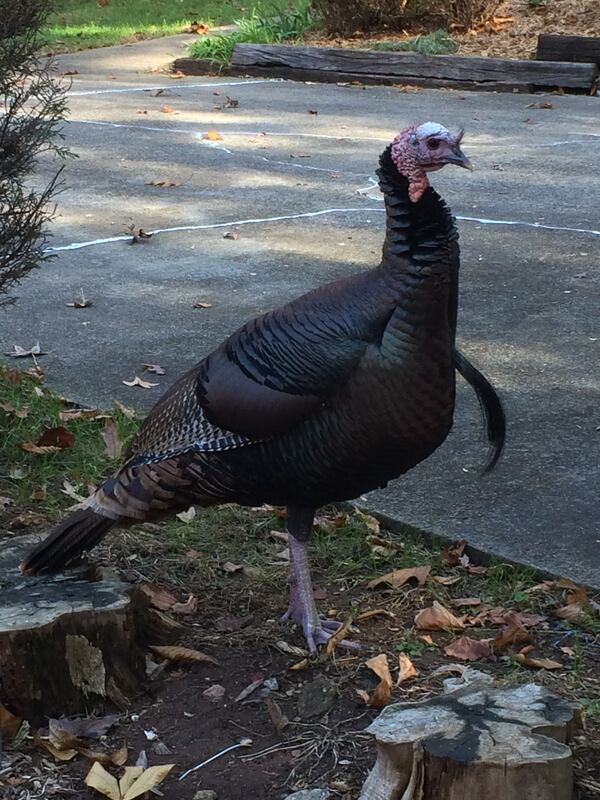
(208, 226)
(88, 92)
(307, 215)
(541, 225)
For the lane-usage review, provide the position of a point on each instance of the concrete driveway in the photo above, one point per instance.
(293, 176)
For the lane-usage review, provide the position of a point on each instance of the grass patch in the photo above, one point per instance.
(427, 44)
(282, 26)
(80, 24)
(26, 410)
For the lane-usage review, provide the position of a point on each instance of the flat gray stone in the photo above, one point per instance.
(205, 794)
(316, 697)
(310, 794)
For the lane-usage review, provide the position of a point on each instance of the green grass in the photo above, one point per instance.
(79, 24)
(431, 44)
(281, 26)
(21, 472)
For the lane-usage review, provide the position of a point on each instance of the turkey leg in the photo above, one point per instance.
(302, 608)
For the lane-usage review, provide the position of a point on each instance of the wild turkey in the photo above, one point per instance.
(326, 398)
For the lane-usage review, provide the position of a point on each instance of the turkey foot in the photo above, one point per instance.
(302, 608)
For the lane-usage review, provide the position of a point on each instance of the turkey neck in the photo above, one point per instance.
(420, 260)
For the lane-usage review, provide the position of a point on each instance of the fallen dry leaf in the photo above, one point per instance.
(80, 302)
(299, 155)
(291, 650)
(102, 781)
(232, 567)
(300, 665)
(329, 523)
(87, 728)
(375, 612)
(453, 552)
(22, 352)
(166, 109)
(56, 437)
(164, 183)
(250, 689)
(31, 447)
(130, 413)
(468, 649)
(370, 522)
(59, 755)
(477, 569)
(155, 369)
(159, 597)
(202, 304)
(135, 782)
(466, 601)
(437, 618)
(139, 382)
(537, 663)
(52, 440)
(189, 607)
(569, 612)
(28, 519)
(9, 724)
(401, 576)
(149, 779)
(212, 135)
(20, 413)
(540, 104)
(80, 413)
(231, 235)
(10, 375)
(406, 669)
(278, 718)
(112, 442)
(141, 237)
(513, 633)
(381, 696)
(530, 620)
(445, 580)
(175, 653)
(196, 27)
(337, 637)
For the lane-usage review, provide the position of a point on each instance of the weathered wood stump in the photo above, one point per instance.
(476, 743)
(67, 643)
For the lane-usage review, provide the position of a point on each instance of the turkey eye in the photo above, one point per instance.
(433, 144)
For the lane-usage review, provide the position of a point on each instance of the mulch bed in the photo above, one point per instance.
(516, 38)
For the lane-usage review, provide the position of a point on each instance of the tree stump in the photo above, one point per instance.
(68, 644)
(475, 743)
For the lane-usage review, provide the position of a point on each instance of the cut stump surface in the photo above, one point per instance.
(67, 644)
(476, 742)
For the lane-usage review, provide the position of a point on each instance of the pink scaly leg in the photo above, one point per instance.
(302, 608)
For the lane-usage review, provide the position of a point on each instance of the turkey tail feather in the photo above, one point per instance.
(491, 407)
(77, 533)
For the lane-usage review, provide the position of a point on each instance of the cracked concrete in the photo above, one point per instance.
(297, 187)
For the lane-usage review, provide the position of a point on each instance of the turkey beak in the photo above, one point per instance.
(459, 158)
